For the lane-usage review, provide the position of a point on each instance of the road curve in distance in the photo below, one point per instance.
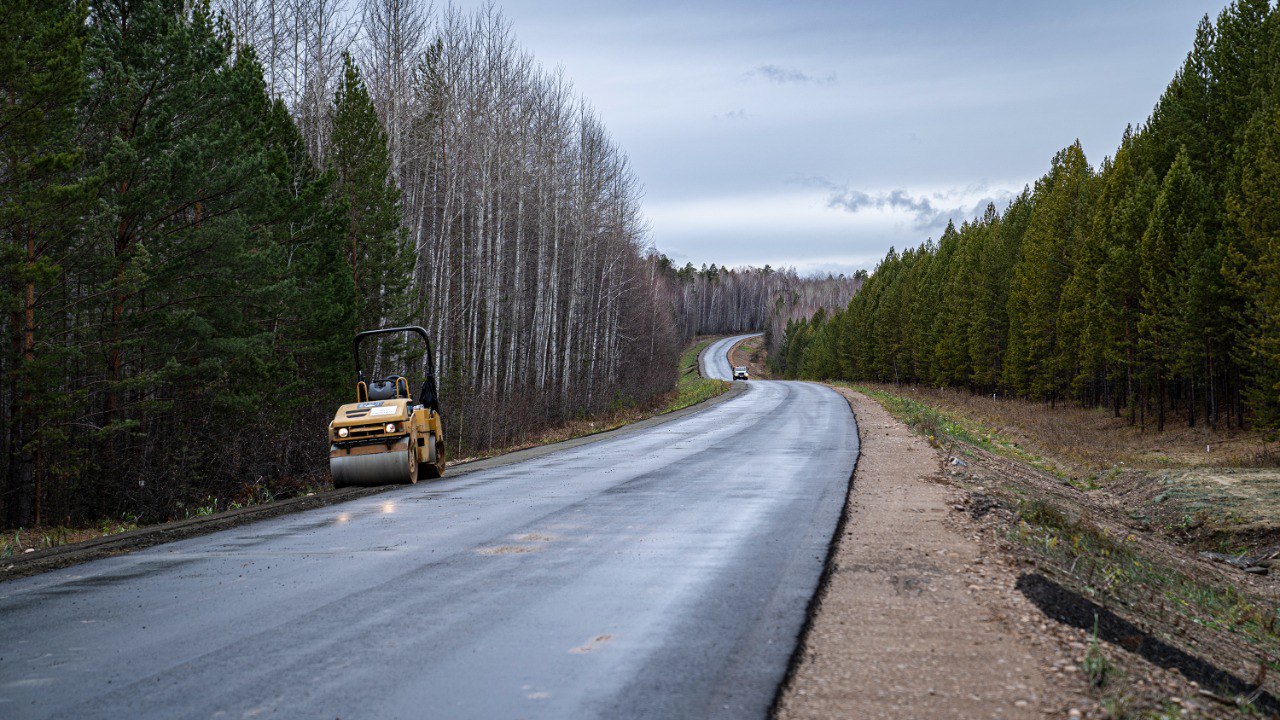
(713, 362)
(663, 573)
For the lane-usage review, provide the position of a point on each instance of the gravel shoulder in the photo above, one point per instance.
(916, 616)
(968, 584)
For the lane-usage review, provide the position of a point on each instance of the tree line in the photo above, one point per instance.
(1149, 285)
(713, 300)
(200, 205)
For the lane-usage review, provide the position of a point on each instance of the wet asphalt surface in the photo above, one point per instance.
(663, 573)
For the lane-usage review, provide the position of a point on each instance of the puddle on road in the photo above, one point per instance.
(507, 550)
(591, 645)
(534, 537)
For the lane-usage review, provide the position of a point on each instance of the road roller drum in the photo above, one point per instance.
(374, 468)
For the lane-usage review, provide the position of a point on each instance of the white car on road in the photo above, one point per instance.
(740, 373)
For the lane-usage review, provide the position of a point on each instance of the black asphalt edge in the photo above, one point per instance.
(824, 581)
(1061, 603)
(142, 538)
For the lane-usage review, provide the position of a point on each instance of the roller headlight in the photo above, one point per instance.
(391, 427)
(343, 432)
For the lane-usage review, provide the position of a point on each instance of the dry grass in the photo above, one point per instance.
(1087, 442)
(1224, 499)
(23, 540)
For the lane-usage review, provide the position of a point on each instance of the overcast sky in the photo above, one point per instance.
(818, 134)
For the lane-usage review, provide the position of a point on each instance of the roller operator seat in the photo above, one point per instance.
(385, 389)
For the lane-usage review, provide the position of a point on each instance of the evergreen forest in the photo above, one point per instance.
(200, 204)
(1148, 285)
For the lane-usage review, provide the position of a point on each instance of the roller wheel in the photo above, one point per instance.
(434, 470)
(415, 468)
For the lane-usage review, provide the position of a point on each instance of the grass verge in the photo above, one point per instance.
(691, 387)
(1213, 488)
(1093, 440)
(18, 541)
(952, 432)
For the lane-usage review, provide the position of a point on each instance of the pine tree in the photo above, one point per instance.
(178, 133)
(1110, 348)
(303, 296)
(953, 273)
(1238, 69)
(1170, 247)
(888, 323)
(41, 79)
(1040, 361)
(1000, 250)
(1253, 264)
(918, 297)
(1180, 120)
(381, 262)
(323, 294)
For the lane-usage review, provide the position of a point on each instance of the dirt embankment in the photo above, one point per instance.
(914, 619)
(959, 567)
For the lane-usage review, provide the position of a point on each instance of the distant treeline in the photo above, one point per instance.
(199, 209)
(1150, 285)
(715, 300)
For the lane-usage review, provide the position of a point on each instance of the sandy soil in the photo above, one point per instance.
(914, 619)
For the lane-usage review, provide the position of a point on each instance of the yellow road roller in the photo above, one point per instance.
(387, 435)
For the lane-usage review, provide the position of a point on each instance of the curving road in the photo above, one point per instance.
(714, 361)
(659, 573)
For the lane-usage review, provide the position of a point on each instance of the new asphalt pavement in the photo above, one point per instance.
(663, 572)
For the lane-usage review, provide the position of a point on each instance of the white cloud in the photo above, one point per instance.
(814, 225)
(784, 75)
(929, 211)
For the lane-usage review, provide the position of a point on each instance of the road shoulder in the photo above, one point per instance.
(915, 617)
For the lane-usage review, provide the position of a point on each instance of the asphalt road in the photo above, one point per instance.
(661, 573)
(714, 361)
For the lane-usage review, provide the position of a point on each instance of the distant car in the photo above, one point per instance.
(740, 373)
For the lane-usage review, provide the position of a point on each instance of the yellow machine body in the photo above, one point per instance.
(393, 438)
(385, 441)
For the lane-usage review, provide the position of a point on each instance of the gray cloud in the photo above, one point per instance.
(929, 213)
(783, 75)
(731, 115)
